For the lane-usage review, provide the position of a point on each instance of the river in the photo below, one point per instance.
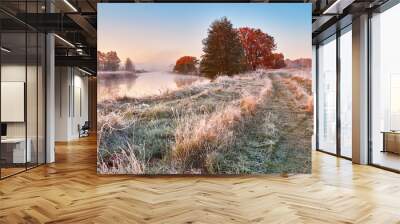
(145, 84)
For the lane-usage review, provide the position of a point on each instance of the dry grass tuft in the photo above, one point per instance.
(300, 92)
(309, 105)
(194, 138)
(125, 162)
(248, 105)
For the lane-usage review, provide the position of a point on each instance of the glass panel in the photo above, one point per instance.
(327, 96)
(386, 89)
(32, 88)
(13, 87)
(31, 98)
(346, 93)
(22, 88)
(41, 98)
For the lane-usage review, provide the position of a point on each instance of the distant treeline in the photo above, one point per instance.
(110, 61)
(298, 63)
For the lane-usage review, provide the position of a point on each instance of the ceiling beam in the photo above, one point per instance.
(77, 61)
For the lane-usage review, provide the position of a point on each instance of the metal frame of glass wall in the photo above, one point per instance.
(334, 37)
(31, 45)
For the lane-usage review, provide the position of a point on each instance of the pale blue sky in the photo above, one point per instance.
(155, 35)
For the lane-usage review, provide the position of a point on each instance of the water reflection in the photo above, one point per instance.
(145, 84)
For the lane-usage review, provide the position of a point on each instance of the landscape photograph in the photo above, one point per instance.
(204, 89)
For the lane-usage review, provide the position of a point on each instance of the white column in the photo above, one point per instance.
(360, 89)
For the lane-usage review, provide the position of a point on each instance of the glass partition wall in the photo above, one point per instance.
(327, 96)
(22, 98)
(334, 104)
(345, 91)
(385, 89)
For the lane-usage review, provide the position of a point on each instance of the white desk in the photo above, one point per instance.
(19, 155)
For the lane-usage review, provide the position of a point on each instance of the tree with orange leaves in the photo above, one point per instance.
(186, 65)
(278, 60)
(258, 47)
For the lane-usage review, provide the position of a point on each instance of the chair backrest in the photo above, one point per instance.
(86, 125)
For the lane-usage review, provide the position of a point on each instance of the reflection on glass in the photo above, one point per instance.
(23, 91)
(14, 153)
(41, 98)
(386, 89)
(346, 94)
(327, 96)
(31, 97)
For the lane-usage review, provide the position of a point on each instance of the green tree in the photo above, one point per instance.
(223, 51)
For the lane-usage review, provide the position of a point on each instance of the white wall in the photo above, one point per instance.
(70, 83)
(16, 73)
(62, 81)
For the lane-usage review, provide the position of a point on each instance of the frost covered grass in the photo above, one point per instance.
(225, 126)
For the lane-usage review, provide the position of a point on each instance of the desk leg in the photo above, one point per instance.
(384, 142)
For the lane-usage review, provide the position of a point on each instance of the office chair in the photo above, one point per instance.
(84, 130)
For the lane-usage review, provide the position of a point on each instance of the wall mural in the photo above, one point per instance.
(204, 88)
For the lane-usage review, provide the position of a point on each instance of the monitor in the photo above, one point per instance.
(3, 129)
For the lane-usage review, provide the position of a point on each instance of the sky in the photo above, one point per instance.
(155, 35)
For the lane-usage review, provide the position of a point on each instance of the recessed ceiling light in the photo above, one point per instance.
(64, 40)
(5, 50)
(70, 5)
(86, 72)
(338, 6)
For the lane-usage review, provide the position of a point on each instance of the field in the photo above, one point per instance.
(253, 123)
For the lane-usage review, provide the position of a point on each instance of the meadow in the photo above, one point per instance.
(253, 123)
